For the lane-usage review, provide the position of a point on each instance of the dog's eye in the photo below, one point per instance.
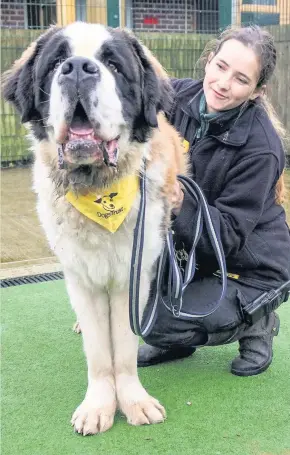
(113, 67)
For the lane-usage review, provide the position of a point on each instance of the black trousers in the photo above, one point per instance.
(225, 325)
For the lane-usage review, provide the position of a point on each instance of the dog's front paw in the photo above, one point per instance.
(91, 419)
(139, 407)
(144, 412)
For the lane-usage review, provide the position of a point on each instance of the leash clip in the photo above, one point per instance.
(175, 311)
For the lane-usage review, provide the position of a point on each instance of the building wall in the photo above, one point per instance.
(12, 14)
(161, 16)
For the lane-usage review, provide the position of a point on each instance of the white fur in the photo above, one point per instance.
(86, 39)
(58, 106)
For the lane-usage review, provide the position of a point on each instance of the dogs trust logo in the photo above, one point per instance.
(107, 202)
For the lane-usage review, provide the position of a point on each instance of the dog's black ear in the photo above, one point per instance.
(18, 84)
(98, 201)
(156, 90)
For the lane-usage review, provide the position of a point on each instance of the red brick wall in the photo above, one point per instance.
(175, 15)
(12, 14)
(170, 15)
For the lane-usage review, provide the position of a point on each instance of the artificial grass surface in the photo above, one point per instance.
(44, 379)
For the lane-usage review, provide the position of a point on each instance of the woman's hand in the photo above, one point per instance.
(177, 198)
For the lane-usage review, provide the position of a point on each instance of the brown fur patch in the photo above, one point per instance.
(166, 142)
(158, 68)
(166, 145)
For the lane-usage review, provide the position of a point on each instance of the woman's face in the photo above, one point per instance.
(231, 77)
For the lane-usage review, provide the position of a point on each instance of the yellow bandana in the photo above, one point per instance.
(108, 206)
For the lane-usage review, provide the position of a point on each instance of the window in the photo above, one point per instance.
(260, 18)
(40, 14)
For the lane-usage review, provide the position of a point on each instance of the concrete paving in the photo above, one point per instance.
(24, 248)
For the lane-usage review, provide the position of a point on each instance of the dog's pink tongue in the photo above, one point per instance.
(81, 131)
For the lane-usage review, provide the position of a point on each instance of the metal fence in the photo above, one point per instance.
(175, 30)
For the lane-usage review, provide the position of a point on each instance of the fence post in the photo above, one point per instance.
(66, 12)
(113, 13)
(225, 13)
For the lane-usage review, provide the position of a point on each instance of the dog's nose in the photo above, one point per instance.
(79, 68)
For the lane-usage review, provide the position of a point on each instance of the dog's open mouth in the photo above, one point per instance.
(84, 146)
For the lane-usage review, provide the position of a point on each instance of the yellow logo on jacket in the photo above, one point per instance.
(108, 206)
(185, 144)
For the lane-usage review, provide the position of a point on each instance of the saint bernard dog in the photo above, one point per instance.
(93, 99)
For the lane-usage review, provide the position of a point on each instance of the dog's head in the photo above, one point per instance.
(92, 89)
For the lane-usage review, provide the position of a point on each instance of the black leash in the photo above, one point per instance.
(176, 283)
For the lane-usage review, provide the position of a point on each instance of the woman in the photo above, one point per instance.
(237, 158)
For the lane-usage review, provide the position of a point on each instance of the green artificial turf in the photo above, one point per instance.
(44, 379)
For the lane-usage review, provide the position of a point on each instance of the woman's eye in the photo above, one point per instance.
(113, 67)
(220, 66)
(242, 81)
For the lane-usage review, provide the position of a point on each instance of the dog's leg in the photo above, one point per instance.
(96, 413)
(133, 400)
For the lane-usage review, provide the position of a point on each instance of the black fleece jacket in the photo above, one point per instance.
(237, 164)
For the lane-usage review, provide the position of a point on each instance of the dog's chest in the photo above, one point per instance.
(93, 253)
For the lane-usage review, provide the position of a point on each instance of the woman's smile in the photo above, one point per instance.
(219, 95)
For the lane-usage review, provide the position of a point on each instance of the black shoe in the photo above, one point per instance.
(150, 355)
(256, 347)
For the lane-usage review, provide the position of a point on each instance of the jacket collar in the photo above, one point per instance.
(226, 130)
